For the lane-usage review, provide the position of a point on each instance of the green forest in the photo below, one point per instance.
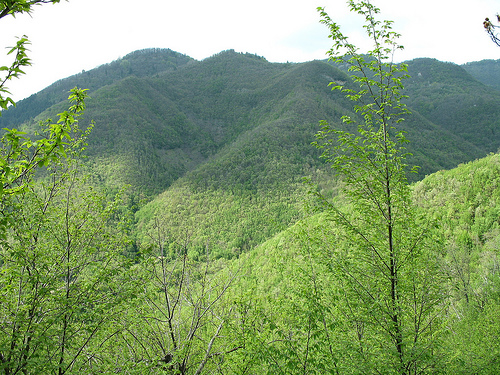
(163, 215)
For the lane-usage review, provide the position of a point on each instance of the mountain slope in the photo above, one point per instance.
(447, 95)
(251, 188)
(485, 71)
(140, 63)
(464, 201)
(226, 141)
(462, 205)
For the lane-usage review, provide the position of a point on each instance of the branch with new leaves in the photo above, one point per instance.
(20, 155)
(14, 7)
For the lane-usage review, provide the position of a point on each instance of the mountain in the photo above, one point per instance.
(140, 63)
(448, 95)
(220, 146)
(160, 114)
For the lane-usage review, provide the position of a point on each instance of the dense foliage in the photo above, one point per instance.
(230, 267)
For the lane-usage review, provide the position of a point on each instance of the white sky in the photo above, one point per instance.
(82, 34)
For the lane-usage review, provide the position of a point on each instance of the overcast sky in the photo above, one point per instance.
(82, 34)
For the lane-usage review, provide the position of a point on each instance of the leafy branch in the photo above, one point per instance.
(20, 155)
(13, 7)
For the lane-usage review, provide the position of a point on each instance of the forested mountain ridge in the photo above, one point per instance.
(160, 114)
(221, 134)
(139, 63)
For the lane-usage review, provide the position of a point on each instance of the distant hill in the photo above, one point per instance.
(140, 63)
(447, 95)
(485, 71)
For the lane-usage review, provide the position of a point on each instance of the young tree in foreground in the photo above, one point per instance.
(60, 248)
(19, 155)
(384, 258)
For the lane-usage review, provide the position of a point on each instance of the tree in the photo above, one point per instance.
(59, 270)
(19, 155)
(178, 322)
(383, 257)
(60, 262)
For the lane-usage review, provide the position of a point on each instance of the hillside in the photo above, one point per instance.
(251, 189)
(220, 146)
(465, 201)
(285, 273)
(140, 63)
(180, 121)
(485, 71)
(448, 95)
(160, 114)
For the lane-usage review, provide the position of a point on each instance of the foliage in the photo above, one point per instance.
(178, 322)
(13, 7)
(14, 71)
(383, 260)
(20, 155)
(465, 201)
(59, 272)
